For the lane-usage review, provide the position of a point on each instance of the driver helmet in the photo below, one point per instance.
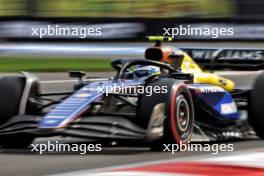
(142, 71)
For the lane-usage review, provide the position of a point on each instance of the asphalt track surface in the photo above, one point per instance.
(25, 162)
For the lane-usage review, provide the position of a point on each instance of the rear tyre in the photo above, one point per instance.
(11, 90)
(256, 104)
(179, 112)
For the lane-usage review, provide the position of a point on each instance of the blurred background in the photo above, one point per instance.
(124, 24)
(122, 8)
(132, 8)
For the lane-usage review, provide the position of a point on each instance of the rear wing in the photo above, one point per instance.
(227, 59)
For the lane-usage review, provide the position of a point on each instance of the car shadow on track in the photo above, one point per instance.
(107, 149)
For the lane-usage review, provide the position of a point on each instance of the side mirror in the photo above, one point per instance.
(77, 74)
(176, 60)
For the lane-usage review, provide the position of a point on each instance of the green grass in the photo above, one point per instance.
(53, 64)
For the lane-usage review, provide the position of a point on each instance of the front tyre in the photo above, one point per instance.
(178, 112)
(178, 125)
(256, 104)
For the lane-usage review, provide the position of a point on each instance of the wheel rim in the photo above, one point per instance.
(182, 113)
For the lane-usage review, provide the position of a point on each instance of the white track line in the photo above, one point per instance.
(255, 159)
(134, 173)
(245, 154)
(58, 81)
(70, 81)
(237, 73)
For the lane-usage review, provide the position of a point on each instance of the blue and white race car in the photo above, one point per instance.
(150, 100)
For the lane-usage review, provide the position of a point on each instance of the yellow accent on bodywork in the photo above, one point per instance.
(159, 38)
(200, 76)
(213, 79)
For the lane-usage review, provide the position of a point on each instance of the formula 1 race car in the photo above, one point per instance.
(164, 98)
